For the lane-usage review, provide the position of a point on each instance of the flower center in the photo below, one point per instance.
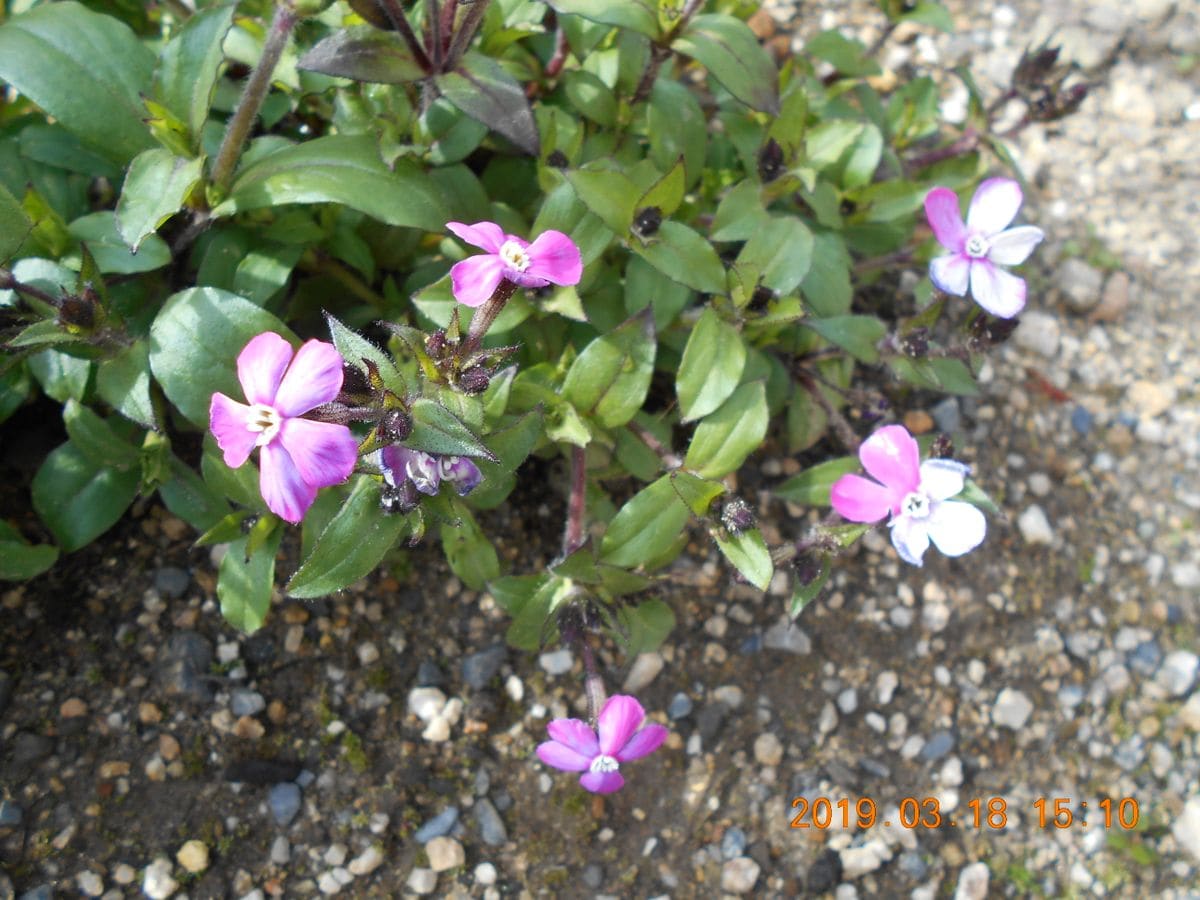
(604, 763)
(514, 256)
(977, 246)
(264, 419)
(916, 505)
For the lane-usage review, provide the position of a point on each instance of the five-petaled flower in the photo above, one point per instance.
(427, 471)
(981, 244)
(916, 494)
(575, 747)
(551, 258)
(297, 455)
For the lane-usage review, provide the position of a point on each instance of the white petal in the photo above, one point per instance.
(998, 292)
(941, 479)
(910, 537)
(956, 528)
(1012, 247)
(950, 273)
(994, 205)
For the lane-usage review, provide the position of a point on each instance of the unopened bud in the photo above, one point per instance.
(647, 221)
(761, 297)
(395, 426)
(435, 344)
(77, 312)
(807, 566)
(1071, 99)
(403, 498)
(992, 330)
(737, 516)
(557, 159)
(916, 343)
(770, 161)
(942, 447)
(1034, 66)
(474, 380)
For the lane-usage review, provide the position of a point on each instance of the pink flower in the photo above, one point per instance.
(298, 455)
(551, 258)
(576, 748)
(980, 245)
(916, 494)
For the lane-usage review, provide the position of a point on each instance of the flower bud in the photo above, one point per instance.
(557, 159)
(403, 498)
(395, 426)
(807, 566)
(647, 221)
(737, 516)
(761, 297)
(943, 447)
(770, 161)
(77, 312)
(435, 344)
(916, 343)
(474, 380)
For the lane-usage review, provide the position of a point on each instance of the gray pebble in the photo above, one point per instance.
(502, 800)
(556, 662)
(1012, 709)
(1145, 658)
(481, 667)
(430, 675)
(912, 865)
(183, 666)
(284, 800)
(1081, 419)
(171, 581)
(1070, 696)
(847, 701)
(1080, 284)
(28, 747)
(593, 876)
(491, 826)
(1129, 753)
(1185, 575)
(41, 892)
(947, 415)
(439, 826)
(710, 720)
(1178, 672)
(939, 744)
(1083, 644)
(733, 843)
(11, 814)
(785, 635)
(246, 703)
(680, 706)
(483, 781)
(281, 851)
(874, 768)
(1039, 332)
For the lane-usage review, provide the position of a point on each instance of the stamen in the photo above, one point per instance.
(916, 505)
(264, 419)
(604, 763)
(514, 256)
(977, 246)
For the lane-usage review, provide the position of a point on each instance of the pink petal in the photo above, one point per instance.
(227, 420)
(324, 453)
(286, 493)
(942, 479)
(555, 257)
(891, 456)
(602, 782)
(956, 528)
(910, 537)
(995, 290)
(575, 734)
(951, 273)
(941, 209)
(643, 743)
(1012, 247)
(486, 235)
(261, 365)
(313, 378)
(994, 205)
(555, 754)
(475, 279)
(618, 721)
(862, 500)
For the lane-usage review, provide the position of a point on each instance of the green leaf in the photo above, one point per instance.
(437, 430)
(811, 487)
(470, 554)
(733, 56)
(86, 70)
(482, 89)
(591, 97)
(155, 189)
(610, 378)
(187, 496)
(684, 256)
(240, 485)
(244, 585)
(96, 439)
(676, 126)
(846, 55)
(194, 344)
(711, 367)
(647, 624)
(975, 495)
(343, 169)
(359, 536)
(14, 225)
(864, 159)
(531, 600)
(358, 351)
(111, 252)
(779, 252)
(637, 15)
(363, 53)
(609, 194)
(825, 143)
(724, 438)
(188, 65)
(748, 553)
(740, 214)
(857, 335)
(646, 286)
(944, 374)
(667, 193)
(929, 13)
(826, 286)
(512, 445)
(123, 382)
(79, 499)
(20, 560)
(60, 375)
(646, 526)
(696, 493)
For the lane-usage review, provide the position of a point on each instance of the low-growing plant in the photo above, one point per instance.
(689, 250)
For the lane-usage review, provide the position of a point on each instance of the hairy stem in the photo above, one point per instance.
(465, 32)
(485, 315)
(573, 535)
(9, 283)
(660, 52)
(669, 460)
(593, 684)
(968, 141)
(282, 23)
(395, 14)
(434, 15)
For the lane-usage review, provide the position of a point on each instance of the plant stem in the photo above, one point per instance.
(968, 141)
(395, 14)
(485, 315)
(10, 283)
(669, 459)
(841, 427)
(593, 684)
(255, 91)
(660, 52)
(573, 535)
(434, 15)
(465, 32)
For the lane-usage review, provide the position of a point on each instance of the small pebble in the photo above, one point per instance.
(644, 670)
(557, 662)
(367, 861)
(738, 876)
(485, 874)
(193, 856)
(284, 800)
(445, 853)
(1012, 709)
(1034, 526)
(422, 881)
(157, 883)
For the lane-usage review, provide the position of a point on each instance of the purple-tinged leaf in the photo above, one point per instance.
(488, 94)
(364, 54)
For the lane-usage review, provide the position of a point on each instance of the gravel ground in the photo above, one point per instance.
(380, 743)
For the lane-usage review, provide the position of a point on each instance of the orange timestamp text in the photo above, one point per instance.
(979, 812)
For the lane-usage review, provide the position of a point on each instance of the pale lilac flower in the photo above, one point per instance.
(575, 747)
(916, 494)
(551, 258)
(427, 471)
(981, 245)
(297, 456)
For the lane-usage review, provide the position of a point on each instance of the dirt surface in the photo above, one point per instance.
(1058, 661)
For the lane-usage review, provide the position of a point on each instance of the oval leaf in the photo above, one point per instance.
(187, 68)
(155, 188)
(726, 437)
(610, 378)
(732, 54)
(244, 585)
(364, 53)
(80, 499)
(484, 91)
(711, 367)
(645, 527)
(684, 256)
